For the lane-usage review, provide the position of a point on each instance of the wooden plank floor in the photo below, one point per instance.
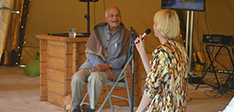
(21, 93)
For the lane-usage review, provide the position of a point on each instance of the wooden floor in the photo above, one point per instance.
(20, 93)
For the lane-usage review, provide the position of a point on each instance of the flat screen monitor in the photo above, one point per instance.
(196, 5)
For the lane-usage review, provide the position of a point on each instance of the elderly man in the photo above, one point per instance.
(106, 51)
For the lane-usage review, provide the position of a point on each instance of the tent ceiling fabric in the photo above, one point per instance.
(57, 16)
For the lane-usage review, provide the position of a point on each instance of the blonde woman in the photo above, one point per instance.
(166, 82)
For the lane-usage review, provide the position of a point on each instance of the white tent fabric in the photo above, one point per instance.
(4, 21)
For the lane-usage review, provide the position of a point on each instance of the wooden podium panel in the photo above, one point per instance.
(60, 58)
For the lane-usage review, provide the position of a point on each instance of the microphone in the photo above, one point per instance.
(147, 31)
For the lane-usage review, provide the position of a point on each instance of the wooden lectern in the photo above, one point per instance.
(60, 58)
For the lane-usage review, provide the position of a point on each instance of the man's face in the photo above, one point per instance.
(113, 17)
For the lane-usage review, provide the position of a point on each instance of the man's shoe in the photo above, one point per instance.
(89, 110)
(77, 109)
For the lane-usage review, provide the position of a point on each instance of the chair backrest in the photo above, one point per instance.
(123, 72)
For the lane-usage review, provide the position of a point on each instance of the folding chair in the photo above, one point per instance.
(120, 83)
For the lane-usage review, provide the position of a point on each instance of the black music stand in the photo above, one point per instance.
(224, 87)
(87, 16)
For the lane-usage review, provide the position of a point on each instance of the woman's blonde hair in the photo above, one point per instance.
(167, 23)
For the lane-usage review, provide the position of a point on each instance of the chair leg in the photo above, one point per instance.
(82, 102)
(110, 100)
(129, 97)
(107, 97)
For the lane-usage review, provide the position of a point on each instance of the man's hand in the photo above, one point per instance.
(111, 74)
(101, 68)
